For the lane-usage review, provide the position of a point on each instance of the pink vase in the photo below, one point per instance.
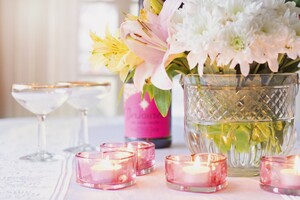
(143, 121)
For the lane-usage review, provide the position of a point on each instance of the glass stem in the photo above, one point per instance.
(41, 133)
(83, 136)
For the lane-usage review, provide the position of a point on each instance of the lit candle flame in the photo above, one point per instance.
(196, 167)
(197, 162)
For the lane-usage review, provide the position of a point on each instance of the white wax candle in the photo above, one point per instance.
(290, 177)
(104, 171)
(196, 174)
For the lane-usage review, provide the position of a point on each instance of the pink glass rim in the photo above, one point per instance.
(145, 145)
(279, 159)
(95, 155)
(216, 157)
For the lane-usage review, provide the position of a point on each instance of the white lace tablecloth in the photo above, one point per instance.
(31, 180)
(56, 180)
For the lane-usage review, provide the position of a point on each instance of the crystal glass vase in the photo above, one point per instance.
(242, 117)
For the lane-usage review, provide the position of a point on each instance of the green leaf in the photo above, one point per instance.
(178, 66)
(289, 65)
(175, 69)
(296, 1)
(279, 126)
(148, 88)
(262, 130)
(242, 135)
(162, 100)
(291, 69)
(129, 77)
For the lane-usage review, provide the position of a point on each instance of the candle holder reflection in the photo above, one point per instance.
(107, 170)
(144, 151)
(280, 174)
(196, 173)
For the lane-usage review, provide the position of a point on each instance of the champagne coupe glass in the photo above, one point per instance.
(40, 99)
(85, 95)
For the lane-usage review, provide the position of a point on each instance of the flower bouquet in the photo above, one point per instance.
(207, 41)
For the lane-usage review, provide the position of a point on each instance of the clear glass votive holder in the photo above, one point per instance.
(107, 170)
(280, 174)
(144, 151)
(205, 172)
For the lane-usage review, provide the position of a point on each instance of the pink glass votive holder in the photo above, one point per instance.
(107, 170)
(196, 173)
(144, 151)
(280, 174)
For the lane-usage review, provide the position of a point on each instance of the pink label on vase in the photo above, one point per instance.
(142, 118)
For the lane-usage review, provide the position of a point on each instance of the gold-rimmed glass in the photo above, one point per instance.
(40, 99)
(85, 95)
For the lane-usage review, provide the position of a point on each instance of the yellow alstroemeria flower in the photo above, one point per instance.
(114, 54)
(154, 6)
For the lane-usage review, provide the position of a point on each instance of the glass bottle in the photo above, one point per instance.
(143, 121)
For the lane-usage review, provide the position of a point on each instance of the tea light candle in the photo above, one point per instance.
(144, 151)
(280, 174)
(105, 170)
(196, 173)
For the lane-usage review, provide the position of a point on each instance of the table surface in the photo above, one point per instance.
(56, 180)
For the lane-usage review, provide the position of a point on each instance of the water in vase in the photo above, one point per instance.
(243, 142)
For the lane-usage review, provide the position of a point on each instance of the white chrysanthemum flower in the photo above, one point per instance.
(194, 34)
(273, 4)
(236, 32)
(292, 41)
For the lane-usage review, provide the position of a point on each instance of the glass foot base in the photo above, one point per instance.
(243, 172)
(106, 186)
(144, 171)
(80, 148)
(42, 156)
(278, 190)
(177, 186)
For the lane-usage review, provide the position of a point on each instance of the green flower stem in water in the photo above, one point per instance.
(244, 135)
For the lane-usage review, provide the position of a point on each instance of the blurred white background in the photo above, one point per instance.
(48, 41)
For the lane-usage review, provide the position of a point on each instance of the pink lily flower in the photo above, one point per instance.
(148, 40)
